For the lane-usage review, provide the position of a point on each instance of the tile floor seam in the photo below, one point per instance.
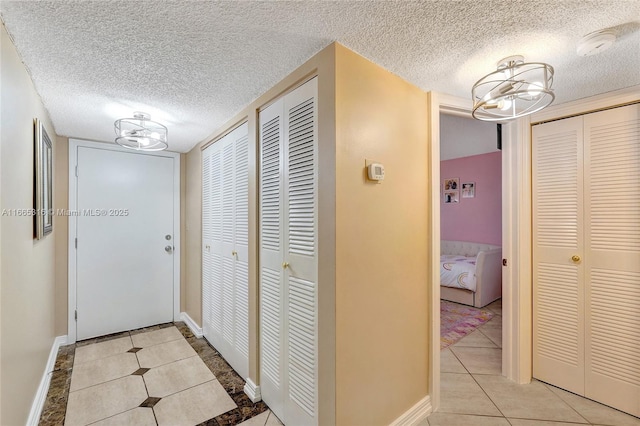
(550, 421)
(460, 361)
(186, 389)
(98, 384)
(490, 399)
(162, 343)
(545, 384)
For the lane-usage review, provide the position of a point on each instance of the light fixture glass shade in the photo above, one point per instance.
(140, 133)
(516, 89)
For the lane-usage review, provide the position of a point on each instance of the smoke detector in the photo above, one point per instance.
(596, 42)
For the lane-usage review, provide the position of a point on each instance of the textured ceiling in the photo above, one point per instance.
(193, 64)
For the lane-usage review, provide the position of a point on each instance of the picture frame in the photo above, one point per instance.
(451, 184)
(43, 194)
(450, 197)
(468, 190)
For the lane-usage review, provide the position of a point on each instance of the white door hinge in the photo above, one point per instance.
(76, 315)
(76, 243)
(76, 171)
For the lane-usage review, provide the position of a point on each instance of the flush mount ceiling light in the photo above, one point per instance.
(516, 89)
(140, 133)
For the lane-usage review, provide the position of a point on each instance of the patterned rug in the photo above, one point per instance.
(456, 321)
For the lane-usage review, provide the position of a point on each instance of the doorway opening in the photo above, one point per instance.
(470, 266)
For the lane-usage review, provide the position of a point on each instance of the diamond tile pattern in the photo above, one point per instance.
(159, 375)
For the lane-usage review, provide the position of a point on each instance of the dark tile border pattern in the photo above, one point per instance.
(55, 406)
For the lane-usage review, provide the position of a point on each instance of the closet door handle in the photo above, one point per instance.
(234, 253)
(285, 265)
(575, 258)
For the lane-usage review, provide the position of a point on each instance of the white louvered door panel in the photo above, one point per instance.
(207, 267)
(558, 296)
(228, 230)
(228, 303)
(612, 257)
(271, 249)
(300, 248)
(241, 324)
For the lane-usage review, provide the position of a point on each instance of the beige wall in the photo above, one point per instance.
(28, 266)
(382, 292)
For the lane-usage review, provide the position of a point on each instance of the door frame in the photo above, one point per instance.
(516, 341)
(74, 144)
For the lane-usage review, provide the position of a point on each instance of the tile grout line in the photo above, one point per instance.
(474, 379)
(145, 383)
(546, 385)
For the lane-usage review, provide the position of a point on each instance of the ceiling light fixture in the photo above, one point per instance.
(140, 133)
(516, 89)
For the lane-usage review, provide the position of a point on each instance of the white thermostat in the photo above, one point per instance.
(375, 171)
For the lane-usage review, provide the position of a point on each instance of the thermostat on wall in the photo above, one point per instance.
(375, 171)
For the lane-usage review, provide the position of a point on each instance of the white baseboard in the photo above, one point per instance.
(197, 331)
(415, 414)
(252, 390)
(43, 388)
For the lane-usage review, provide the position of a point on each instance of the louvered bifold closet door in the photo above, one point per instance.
(211, 242)
(207, 261)
(241, 249)
(558, 289)
(612, 257)
(288, 255)
(300, 248)
(271, 249)
(227, 270)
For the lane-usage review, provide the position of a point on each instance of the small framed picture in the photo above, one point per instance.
(469, 190)
(451, 197)
(451, 184)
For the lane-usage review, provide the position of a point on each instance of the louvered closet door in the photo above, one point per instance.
(612, 257)
(288, 256)
(300, 248)
(207, 262)
(225, 272)
(271, 258)
(558, 297)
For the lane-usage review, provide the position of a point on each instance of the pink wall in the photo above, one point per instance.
(478, 219)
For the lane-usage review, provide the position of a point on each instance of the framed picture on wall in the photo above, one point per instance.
(451, 184)
(469, 190)
(44, 181)
(451, 197)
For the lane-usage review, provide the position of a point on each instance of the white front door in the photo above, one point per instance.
(125, 241)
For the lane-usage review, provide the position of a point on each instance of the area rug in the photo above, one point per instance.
(456, 321)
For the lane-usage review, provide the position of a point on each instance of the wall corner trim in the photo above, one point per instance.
(253, 391)
(416, 414)
(197, 331)
(43, 387)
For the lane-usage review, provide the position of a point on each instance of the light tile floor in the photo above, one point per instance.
(473, 392)
(161, 375)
